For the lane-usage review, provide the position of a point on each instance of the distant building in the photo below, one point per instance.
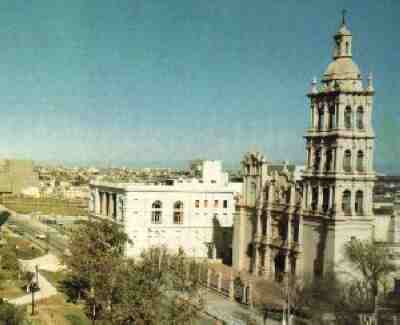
(16, 176)
(193, 214)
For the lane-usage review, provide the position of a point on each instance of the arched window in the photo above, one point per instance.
(359, 203)
(360, 161)
(325, 199)
(252, 194)
(347, 161)
(317, 161)
(346, 202)
(314, 198)
(156, 212)
(320, 118)
(360, 118)
(332, 117)
(347, 48)
(347, 118)
(328, 164)
(178, 213)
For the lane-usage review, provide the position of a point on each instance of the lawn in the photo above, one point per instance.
(49, 206)
(56, 311)
(25, 249)
(12, 289)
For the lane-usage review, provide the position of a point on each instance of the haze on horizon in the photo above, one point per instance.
(140, 80)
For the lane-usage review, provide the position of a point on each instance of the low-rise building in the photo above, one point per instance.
(193, 214)
(17, 175)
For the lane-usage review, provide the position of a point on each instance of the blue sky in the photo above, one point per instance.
(131, 81)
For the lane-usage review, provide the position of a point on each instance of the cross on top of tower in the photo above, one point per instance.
(344, 11)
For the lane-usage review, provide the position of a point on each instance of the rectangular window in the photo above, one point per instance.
(225, 205)
(206, 203)
(215, 203)
(197, 204)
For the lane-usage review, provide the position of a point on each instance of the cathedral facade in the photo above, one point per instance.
(286, 224)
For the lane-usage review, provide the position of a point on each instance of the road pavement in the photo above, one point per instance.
(47, 290)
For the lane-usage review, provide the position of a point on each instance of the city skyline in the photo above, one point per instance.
(143, 81)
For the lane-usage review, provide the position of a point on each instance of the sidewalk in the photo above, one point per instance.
(46, 288)
(231, 312)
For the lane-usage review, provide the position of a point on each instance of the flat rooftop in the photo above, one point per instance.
(179, 187)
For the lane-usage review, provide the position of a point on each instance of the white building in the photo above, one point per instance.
(195, 215)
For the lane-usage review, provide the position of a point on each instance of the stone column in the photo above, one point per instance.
(293, 195)
(320, 198)
(370, 157)
(114, 206)
(101, 202)
(269, 229)
(104, 203)
(341, 115)
(338, 200)
(258, 225)
(330, 198)
(267, 261)
(272, 264)
(339, 159)
(326, 117)
(334, 163)
(289, 231)
(312, 116)
(107, 204)
(301, 230)
(323, 159)
(250, 295)
(287, 263)
(219, 281)
(110, 204)
(244, 295)
(214, 251)
(256, 258)
(315, 113)
(311, 158)
(270, 194)
(352, 202)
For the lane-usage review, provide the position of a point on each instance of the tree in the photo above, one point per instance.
(8, 260)
(374, 263)
(95, 254)
(10, 314)
(154, 289)
(347, 298)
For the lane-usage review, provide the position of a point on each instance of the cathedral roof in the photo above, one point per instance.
(342, 68)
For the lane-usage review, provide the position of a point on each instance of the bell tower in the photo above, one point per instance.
(339, 176)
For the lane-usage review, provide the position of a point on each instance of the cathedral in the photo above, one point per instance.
(298, 225)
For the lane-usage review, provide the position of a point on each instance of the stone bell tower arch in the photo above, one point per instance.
(339, 176)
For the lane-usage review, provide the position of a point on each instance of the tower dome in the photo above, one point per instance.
(343, 68)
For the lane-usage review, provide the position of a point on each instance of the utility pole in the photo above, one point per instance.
(33, 298)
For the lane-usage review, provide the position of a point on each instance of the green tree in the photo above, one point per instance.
(95, 254)
(8, 260)
(347, 298)
(10, 314)
(157, 288)
(374, 263)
